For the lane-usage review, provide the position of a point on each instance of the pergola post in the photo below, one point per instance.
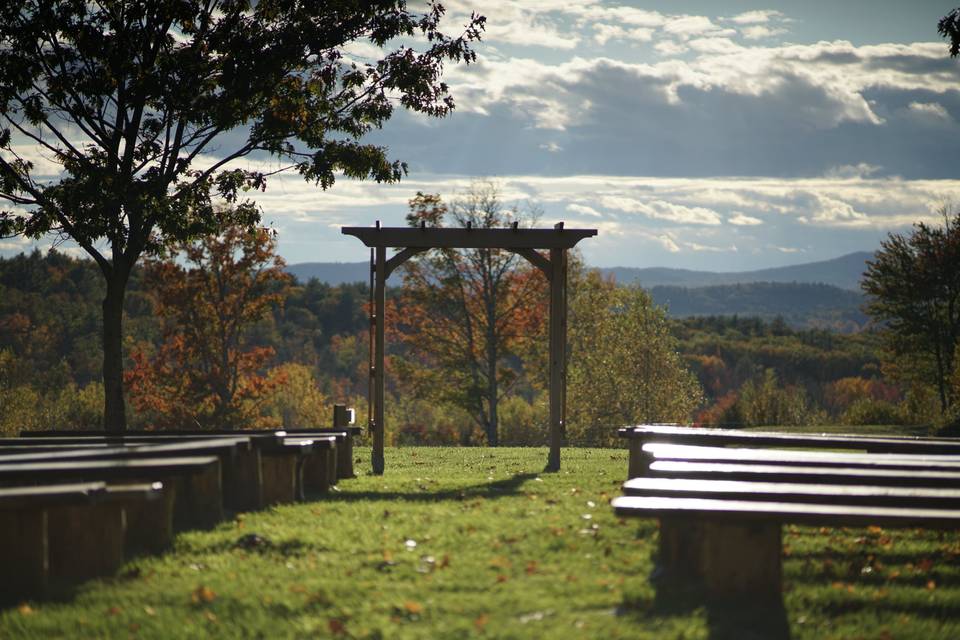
(379, 301)
(558, 355)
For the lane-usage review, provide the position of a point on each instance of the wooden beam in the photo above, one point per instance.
(402, 257)
(536, 259)
(444, 238)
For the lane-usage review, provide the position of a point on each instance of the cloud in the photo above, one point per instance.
(662, 210)
(695, 246)
(758, 32)
(756, 17)
(930, 110)
(552, 147)
(584, 210)
(602, 33)
(668, 244)
(741, 220)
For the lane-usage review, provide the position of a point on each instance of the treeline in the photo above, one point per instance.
(751, 370)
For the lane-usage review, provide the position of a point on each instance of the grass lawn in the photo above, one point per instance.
(471, 542)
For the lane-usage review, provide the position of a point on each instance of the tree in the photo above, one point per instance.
(913, 288)
(949, 27)
(465, 314)
(208, 372)
(145, 107)
(624, 366)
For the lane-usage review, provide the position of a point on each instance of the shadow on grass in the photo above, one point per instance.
(726, 619)
(488, 490)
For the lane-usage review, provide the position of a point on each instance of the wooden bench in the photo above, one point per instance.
(63, 532)
(192, 491)
(345, 436)
(637, 436)
(268, 473)
(721, 509)
(274, 472)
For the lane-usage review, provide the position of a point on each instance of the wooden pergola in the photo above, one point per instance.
(528, 243)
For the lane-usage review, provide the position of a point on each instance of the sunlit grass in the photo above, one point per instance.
(469, 542)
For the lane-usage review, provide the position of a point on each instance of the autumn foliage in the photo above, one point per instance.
(464, 317)
(208, 371)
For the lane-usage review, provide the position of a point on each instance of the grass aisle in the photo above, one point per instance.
(456, 543)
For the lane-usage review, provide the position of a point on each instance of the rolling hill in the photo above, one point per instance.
(843, 272)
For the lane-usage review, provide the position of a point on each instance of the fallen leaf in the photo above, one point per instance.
(531, 567)
(501, 578)
(150, 611)
(25, 609)
(203, 595)
(413, 608)
(931, 585)
(336, 626)
(481, 621)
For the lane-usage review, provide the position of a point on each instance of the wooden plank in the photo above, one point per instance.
(220, 447)
(729, 437)
(793, 492)
(446, 238)
(106, 468)
(803, 474)
(664, 451)
(828, 515)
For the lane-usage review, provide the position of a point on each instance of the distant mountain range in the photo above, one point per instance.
(843, 272)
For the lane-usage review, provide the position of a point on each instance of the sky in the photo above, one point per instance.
(721, 135)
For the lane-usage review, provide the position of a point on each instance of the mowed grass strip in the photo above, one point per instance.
(470, 542)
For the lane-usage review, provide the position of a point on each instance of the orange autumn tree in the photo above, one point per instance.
(464, 317)
(208, 371)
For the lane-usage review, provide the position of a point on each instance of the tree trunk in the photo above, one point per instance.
(114, 409)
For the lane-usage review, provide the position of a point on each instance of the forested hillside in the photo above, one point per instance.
(752, 370)
(801, 305)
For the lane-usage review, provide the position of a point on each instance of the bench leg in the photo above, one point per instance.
(24, 559)
(333, 471)
(742, 560)
(637, 464)
(345, 459)
(150, 522)
(679, 555)
(279, 478)
(316, 477)
(243, 478)
(199, 500)
(86, 541)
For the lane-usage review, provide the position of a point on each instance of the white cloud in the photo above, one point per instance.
(696, 246)
(758, 32)
(931, 110)
(552, 147)
(667, 243)
(741, 220)
(756, 17)
(662, 210)
(602, 33)
(584, 210)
